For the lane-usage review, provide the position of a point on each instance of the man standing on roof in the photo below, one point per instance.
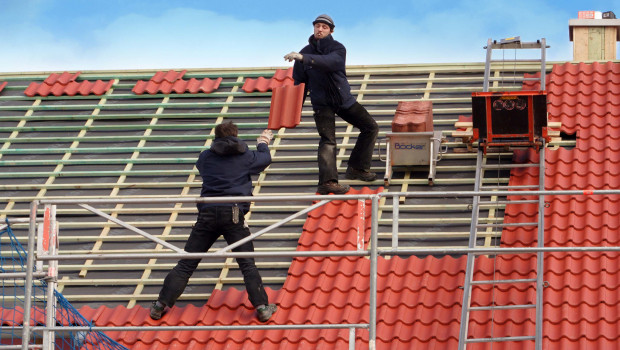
(321, 66)
(226, 170)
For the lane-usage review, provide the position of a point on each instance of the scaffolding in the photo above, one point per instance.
(373, 252)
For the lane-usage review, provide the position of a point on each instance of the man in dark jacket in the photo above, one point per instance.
(226, 170)
(321, 66)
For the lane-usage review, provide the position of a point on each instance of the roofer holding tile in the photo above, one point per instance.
(321, 66)
(226, 170)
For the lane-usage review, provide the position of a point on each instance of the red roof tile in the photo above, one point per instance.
(413, 116)
(170, 76)
(580, 95)
(531, 85)
(338, 225)
(286, 105)
(323, 290)
(282, 77)
(172, 82)
(3, 85)
(418, 303)
(65, 83)
(581, 296)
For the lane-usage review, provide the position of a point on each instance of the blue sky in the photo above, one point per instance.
(57, 35)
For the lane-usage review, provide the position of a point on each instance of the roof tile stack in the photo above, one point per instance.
(67, 84)
(413, 116)
(172, 82)
(282, 77)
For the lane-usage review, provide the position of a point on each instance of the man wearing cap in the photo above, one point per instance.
(321, 66)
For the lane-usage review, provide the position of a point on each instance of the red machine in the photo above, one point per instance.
(504, 119)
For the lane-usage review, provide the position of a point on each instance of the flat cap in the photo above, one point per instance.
(325, 19)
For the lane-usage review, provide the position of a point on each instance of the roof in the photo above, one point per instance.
(419, 299)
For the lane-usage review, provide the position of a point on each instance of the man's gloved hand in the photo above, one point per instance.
(265, 137)
(293, 56)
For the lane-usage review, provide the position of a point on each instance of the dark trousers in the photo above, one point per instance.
(361, 155)
(211, 223)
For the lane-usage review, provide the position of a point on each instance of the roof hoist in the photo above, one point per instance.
(413, 140)
(502, 122)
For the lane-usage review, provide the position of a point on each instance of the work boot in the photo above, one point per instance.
(264, 312)
(157, 310)
(356, 174)
(332, 187)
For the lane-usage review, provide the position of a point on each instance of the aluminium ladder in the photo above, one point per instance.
(516, 44)
(481, 165)
(467, 309)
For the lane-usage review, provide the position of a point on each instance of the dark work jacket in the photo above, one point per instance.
(323, 71)
(226, 169)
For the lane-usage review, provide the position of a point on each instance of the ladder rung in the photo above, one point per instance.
(519, 60)
(516, 224)
(502, 307)
(509, 166)
(517, 45)
(508, 79)
(524, 280)
(507, 187)
(507, 202)
(498, 339)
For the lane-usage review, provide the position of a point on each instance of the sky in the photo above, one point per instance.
(82, 35)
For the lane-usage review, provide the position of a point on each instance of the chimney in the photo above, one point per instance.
(594, 36)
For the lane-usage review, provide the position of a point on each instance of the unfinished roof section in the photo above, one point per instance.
(419, 299)
(124, 145)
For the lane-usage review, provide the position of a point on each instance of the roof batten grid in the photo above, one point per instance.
(243, 112)
(6, 145)
(166, 231)
(114, 190)
(74, 146)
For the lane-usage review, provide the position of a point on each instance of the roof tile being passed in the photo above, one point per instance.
(3, 85)
(286, 104)
(282, 77)
(172, 82)
(66, 84)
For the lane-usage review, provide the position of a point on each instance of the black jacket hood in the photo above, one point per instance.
(228, 146)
